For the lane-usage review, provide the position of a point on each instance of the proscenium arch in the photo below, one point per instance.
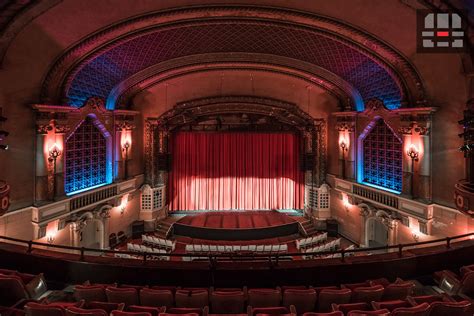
(393, 70)
(122, 93)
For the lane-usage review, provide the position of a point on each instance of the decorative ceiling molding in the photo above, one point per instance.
(123, 93)
(15, 15)
(386, 74)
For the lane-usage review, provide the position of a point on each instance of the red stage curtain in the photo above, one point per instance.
(246, 171)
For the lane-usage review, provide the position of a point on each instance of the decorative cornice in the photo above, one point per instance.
(69, 63)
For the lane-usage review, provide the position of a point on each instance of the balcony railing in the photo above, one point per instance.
(377, 196)
(93, 197)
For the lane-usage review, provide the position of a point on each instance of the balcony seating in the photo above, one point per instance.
(328, 246)
(390, 305)
(449, 308)
(346, 308)
(264, 311)
(106, 306)
(327, 297)
(264, 297)
(380, 312)
(154, 311)
(192, 298)
(121, 237)
(189, 310)
(113, 241)
(128, 296)
(304, 300)
(170, 245)
(419, 310)
(416, 300)
(156, 298)
(227, 249)
(227, 302)
(90, 293)
(367, 294)
(76, 311)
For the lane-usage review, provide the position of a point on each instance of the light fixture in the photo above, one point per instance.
(413, 153)
(344, 148)
(50, 238)
(3, 147)
(54, 153)
(125, 147)
(415, 234)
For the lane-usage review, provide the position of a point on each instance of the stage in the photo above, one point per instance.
(230, 225)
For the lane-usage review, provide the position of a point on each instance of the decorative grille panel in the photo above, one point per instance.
(85, 158)
(383, 157)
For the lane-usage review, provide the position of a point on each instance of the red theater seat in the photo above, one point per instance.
(398, 291)
(128, 296)
(463, 269)
(121, 313)
(346, 308)
(264, 297)
(12, 289)
(304, 300)
(352, 286)
(390, 305)
(90, 293)
(76, 311)
(419, 310)
(416, 300)
(380, 312)
(227, 302)
(188, 314)
(156, 298)
(449, 308)
(185, 310)
(367, 294)
(53, 309)
(192, 298)
(328, 297)
(154, 311)
(106, 306)
(278, 310)
(336, 313)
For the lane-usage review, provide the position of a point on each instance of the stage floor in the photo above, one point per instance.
(236, 225)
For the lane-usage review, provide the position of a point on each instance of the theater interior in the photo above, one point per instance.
(270, 157)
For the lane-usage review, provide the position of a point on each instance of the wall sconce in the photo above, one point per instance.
(54, 153)
(344, 148)
(415, 235)
(122, 209)
(413, 153)
(125, 147)
(50, 238)
(346, 203)
(123, 205)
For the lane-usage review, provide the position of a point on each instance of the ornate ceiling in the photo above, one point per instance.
(101, 63)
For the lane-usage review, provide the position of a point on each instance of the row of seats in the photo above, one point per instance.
(143, 248)
(309, 241)
(159, 242)
(327, 246)
(16, 286)
(236, 248)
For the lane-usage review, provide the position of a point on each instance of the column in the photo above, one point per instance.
(350, 155)
(60, 131)
(118, 168)
(41, 164)
(406, 131)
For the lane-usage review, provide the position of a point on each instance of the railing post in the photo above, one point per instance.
(144, 257)
(448, 242)
(400, 249)
(277, 258)
(342, 255)
(30, 246)
(82, 254)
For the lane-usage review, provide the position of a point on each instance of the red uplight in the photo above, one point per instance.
(442, 34)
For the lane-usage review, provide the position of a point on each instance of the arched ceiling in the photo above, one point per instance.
(101, 64)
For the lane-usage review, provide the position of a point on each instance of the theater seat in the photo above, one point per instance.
(128, 296)
(264, 297)
(90, 293)
(121, 313)
(192, 298)
(336, 313)
(12, 289)
(188, 310)
(419, 310)
(304, 300)
(390, 305)
(106, 306)
(398, 291)
(352, 286)
(188, 314)
(273, 310)
(380, 312)
(53, 309)
(227, 302)
(328, 297)
(154, 311)
(76, 311)
(346, 308)
(367, 294)
(449, 308)
(156, 298)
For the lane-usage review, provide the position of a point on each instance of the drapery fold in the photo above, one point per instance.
(235, 171)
